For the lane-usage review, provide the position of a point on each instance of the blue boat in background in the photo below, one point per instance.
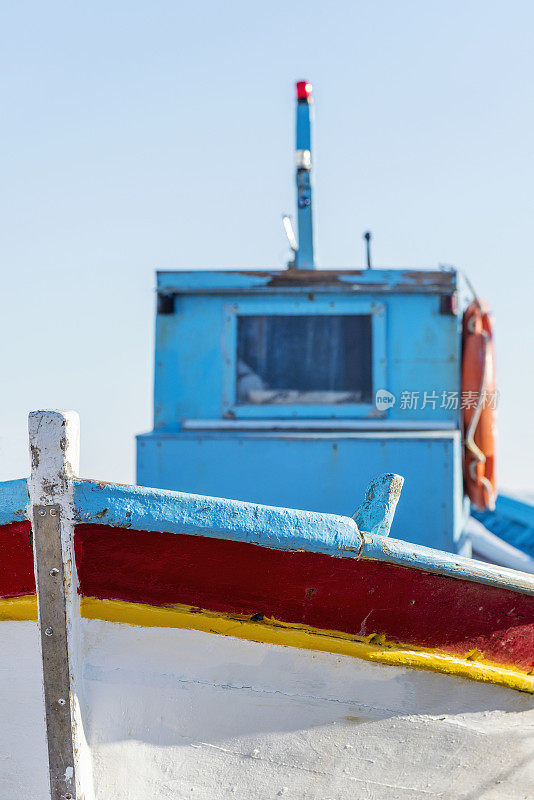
(295, 387)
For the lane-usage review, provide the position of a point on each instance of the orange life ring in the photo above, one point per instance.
(479, 398)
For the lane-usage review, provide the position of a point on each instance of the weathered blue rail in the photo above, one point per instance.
(14, 500)
(277, 528)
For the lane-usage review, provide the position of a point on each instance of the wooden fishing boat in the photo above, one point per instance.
(308, 375)
(192, 646)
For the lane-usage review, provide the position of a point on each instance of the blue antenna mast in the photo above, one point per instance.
(304, 258)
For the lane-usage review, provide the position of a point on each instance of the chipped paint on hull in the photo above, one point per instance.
(23, 608)
(160, 510)
(357, 597)
(373, 647)
(272, 631)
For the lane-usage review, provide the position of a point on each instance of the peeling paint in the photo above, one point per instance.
(14, 498)
(282, 529)
(372, 648)
(247, 281)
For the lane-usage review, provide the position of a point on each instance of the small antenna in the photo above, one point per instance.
(368, 236)
(290, 233)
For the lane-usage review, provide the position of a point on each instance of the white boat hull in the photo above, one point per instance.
(181, 713)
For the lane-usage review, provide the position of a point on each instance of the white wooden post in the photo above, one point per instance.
(54, 451)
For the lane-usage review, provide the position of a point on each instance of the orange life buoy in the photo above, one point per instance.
(479, 399)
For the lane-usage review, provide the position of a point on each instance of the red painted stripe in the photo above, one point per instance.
(16, 560)
(358, 597)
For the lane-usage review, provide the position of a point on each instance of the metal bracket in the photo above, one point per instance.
(53, 626)
(166, 303)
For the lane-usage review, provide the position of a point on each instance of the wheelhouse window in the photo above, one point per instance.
(290, 359)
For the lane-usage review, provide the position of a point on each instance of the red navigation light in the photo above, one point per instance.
(304, 90)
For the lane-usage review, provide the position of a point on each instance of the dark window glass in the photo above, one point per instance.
(304, 359)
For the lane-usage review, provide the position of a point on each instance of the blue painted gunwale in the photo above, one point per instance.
(14, 499)
(145, 509)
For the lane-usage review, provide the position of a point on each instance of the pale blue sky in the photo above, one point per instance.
(142, 135)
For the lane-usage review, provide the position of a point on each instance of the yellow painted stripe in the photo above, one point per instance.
(271, 631)
(18, 608)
